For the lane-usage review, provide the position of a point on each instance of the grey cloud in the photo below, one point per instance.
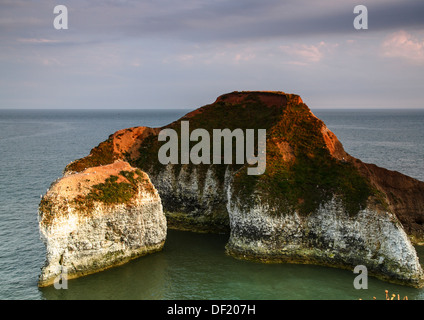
(203, 20)
(303, 19)
(397, 15)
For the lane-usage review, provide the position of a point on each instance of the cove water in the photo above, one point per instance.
(36, 145)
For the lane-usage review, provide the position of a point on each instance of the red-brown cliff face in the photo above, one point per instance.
(404, 196)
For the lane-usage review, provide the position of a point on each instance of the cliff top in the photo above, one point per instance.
(78, 184)
(114, 184)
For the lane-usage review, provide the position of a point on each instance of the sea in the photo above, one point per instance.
(36, 145)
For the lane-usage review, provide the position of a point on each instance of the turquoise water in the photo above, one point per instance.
(36, 146)
(194, 266)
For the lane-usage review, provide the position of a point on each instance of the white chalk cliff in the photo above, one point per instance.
(87, 230)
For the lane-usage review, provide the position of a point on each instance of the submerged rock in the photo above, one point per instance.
(314, 204)
(99, 218)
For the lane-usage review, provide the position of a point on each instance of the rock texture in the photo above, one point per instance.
(314, 204)
(99, 218)
(328, 237)
(404, 196)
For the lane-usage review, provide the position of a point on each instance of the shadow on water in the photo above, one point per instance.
(195, 266)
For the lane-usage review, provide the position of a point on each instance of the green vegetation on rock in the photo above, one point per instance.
(113, 192)
(314, 176)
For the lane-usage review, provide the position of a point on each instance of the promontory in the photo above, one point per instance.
(313, 204)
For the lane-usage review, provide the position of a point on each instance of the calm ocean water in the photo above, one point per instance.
(36, 145)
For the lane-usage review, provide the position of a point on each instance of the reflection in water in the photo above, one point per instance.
(194, 266)
(143, 278)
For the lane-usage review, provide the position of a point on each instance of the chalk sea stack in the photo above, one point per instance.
(314, 204)
(99, 218)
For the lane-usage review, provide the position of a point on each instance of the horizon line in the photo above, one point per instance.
(188, 108)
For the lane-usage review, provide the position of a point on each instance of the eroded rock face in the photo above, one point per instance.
(404, 196)
(328, 236)
(99, 218)
(194, 200)
(314, 204)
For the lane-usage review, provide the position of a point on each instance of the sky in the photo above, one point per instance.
(128, 54)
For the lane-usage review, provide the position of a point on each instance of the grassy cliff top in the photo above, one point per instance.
(114, 184)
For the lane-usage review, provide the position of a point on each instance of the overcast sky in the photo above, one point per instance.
(185, 53)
